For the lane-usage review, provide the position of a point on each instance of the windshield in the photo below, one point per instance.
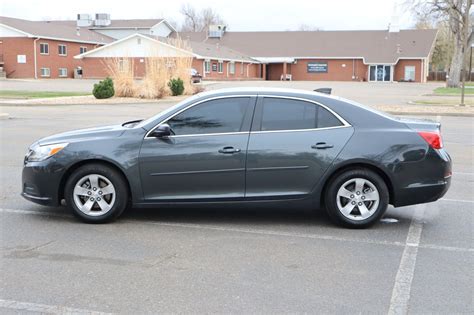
(164, 113)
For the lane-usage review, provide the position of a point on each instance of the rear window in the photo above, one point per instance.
(289, 114)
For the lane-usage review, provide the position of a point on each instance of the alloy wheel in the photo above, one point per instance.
(94, 195)
(358, 199)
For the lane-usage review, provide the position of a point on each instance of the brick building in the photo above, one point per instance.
(381, 55)
(54, 49)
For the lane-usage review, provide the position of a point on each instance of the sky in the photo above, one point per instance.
(240, 15)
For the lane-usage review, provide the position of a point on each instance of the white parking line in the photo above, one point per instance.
(463, 173)
(404, 278)
(456, 200)
(23, 307)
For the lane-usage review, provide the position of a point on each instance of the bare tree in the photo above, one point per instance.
(456, 13)
(444, 45)
(198, 21)
(308, 28)
(191, 18)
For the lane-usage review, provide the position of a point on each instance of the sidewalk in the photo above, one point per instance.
(405, 109)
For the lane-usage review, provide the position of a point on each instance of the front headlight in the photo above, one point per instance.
(42, 152)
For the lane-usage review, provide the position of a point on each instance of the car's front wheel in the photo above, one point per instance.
(96, 193)
(356, 198)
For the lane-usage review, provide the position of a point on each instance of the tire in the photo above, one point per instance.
(349, 205)
(103, 204)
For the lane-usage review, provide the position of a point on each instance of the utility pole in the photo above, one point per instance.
(462, 86)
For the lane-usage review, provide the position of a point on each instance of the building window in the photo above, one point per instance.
(232, 68)
(44, 48)
(207, 66)
(82, 49)
(45, 72)
(220, 67)
(241, 68)
(63, 72)
(62, 50)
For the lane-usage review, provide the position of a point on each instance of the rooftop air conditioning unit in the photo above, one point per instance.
(216, 31)
(84, 20)
(102, 19)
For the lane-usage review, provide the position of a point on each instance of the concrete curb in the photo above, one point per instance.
(4, 116)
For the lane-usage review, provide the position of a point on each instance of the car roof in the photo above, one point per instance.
(263, 91)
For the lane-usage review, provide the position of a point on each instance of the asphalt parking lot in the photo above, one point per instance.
(419, 259)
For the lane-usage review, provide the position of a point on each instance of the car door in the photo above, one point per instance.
(292, 143)
(205, 158)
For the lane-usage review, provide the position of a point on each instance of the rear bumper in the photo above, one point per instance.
(422, 193)
(430, 181)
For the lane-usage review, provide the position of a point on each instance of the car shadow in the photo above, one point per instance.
(229, 215)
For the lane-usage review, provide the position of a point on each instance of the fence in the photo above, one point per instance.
(441, 76)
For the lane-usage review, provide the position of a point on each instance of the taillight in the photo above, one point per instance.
(433, 138)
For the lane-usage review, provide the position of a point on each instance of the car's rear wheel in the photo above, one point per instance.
(356, 198)
(96, 193)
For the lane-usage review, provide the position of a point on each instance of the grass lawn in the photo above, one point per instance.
(453, 91)
(37, 94)
(453, 102)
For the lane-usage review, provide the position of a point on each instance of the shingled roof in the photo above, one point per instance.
(52, 30)
(373, 47)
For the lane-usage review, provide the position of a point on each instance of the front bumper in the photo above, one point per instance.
(41, 182)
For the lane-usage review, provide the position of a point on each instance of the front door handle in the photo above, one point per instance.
(229, 150)
(322, 146)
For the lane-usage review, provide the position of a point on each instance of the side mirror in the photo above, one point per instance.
(163, 130)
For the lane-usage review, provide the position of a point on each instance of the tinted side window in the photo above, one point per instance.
(216, 116)
(327, 119)
(287, 114)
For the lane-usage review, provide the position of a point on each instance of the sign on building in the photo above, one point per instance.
(21, 58)
(317, 67)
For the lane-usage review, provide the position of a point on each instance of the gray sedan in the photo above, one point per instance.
(251, 147)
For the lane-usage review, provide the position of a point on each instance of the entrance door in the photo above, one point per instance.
(380, 73)
(409, 73)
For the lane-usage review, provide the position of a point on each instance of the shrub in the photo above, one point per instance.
(104, 89)
(176, 86)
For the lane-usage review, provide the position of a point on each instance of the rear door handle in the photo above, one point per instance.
(229, 150)
(322, 146)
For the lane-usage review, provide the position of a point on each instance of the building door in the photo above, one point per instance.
(380, 73)
(409, 73)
